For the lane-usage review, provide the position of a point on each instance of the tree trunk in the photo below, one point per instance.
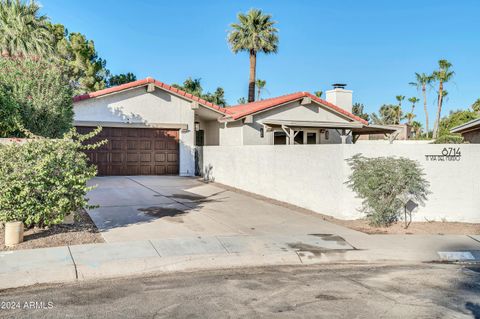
(424, 91)
(251, 82)
(399, 111)
(436, 127)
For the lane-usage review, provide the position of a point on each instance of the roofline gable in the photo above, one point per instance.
(265, 105)
(144, 82)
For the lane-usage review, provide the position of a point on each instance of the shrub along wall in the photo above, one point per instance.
(314, 176)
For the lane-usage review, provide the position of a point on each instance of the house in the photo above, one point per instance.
(470, 131)
(153, 128)
(298, 118)
(150, 127)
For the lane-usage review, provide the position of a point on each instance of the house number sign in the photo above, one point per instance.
(447, 154)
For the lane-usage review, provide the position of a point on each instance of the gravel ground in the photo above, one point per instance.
(415, 228)
(319, 291)
(83, 231)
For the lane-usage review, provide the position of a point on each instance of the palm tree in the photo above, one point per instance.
(318, 93)
(411, 115)
(417, 128)
(260, 87)
(421, 82)
(255, 32)
(399, 98)
(387, 115)
(23, 31)
(442, 75)
(413, 100)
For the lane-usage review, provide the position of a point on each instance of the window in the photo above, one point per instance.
(200, 138)
(327, 134)
(311, 138)
(299, 137)
(279, 138)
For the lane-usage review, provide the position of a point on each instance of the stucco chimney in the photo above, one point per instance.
(340, 97)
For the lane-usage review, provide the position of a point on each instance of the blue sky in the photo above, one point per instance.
(373, 46)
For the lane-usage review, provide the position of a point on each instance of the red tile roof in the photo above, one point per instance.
(144, 82)
(239, 111)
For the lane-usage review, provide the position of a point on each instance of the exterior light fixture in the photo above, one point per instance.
(197, 126)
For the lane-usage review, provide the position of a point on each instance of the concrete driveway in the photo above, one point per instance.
(156, 207)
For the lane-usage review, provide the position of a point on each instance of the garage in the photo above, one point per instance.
(135, 151)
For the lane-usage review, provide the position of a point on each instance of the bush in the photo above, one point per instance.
(386, 184)
(9, 113)
(42, 180)
(42, 96)
(449, 139)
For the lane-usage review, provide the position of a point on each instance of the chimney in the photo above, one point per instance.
(340, 97)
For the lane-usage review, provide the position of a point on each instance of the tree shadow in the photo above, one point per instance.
(474, 308)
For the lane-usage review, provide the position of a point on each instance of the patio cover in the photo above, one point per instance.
(343, 128)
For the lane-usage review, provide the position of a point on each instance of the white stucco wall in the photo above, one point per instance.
(212, 129)
(138, 106)
(231, 133)
(313, 176)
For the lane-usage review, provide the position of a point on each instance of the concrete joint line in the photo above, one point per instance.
(159, 194)
(73, 261)
(226, 249)
(473, 238)
(299, 258)
(154, 248)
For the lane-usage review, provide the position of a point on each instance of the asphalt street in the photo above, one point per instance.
(318, 291)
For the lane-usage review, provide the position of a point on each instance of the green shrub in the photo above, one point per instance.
(385, 184)
(42, 96)
(42, 180)
(449, 139)
(9, 113)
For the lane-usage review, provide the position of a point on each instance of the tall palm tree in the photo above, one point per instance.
(399, 98)
(409, 116)
(255, 32)
(442, 75)
(421, 82)
(23, 31)
(413, 100)
(260, 87)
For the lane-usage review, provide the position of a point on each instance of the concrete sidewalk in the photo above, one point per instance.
(94, 261)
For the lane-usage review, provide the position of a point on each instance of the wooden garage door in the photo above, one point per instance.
(135, 151)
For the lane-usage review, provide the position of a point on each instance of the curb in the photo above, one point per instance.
(111, 260)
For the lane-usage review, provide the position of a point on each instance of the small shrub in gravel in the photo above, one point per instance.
(385, 184)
